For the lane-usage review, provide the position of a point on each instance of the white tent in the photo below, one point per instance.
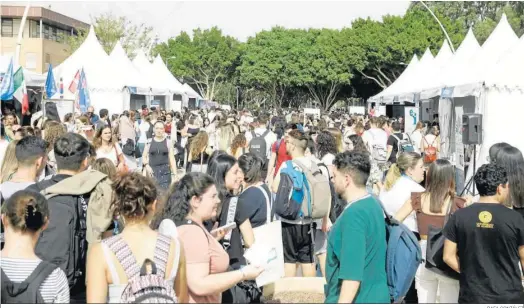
(467, 49)
(161, 70)
(191, 92)
(127, 69)
(406, 91)
(385, 95)
(145, 68)
(32, 79)
(105, 84)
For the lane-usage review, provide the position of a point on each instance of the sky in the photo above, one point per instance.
(239, 19)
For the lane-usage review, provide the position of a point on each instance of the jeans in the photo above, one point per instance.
(430, 284)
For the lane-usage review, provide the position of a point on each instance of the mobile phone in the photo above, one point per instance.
(225, 228)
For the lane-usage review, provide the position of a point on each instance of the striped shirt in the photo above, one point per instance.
(54, 289)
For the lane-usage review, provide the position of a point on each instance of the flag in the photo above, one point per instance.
(61, 87)
(83, 93)
(21, 90)
(74, 83)
(7, 86)
(50, 86)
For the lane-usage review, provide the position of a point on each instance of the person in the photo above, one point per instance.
(10, 123)
(375, 139)
(394, 142)
(92, 117)
(416, 136)
(356, 273)
(485, 243)
(403, 179)
(144, 131)
(228, 176)
(279, 153)
(24, 216)
(337, 134)
(357, 144)
(262, 130)
(327, 148)
(62, 242)
(31, 155)
(432, 139)
(197, 156)
(9, 164)
(296, 235)
(431, 208)
(136, 201)
(238, 146)
(106, 166)
(103, 120)
(160, 157)
(53, 130)
(193, 200)
(106, 147)
(511, 159)
(3, 143)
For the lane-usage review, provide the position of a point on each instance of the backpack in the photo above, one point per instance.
(143, 286)
(378, 151)
(149, 133)
(403, 146)
(337, 203)
(257, 145)
(27, 291)
(430, 153)
(129, 147)
(403, 256)
(301, 192)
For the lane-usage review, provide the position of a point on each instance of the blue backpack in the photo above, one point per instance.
(403, 256)
(291, 192)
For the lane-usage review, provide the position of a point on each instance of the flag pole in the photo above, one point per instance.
(20, 34)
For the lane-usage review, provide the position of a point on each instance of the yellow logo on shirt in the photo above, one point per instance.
(485, 218)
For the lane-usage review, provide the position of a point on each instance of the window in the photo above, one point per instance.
(47, 60)
(7, 27)
(46, 32)
(34, 29)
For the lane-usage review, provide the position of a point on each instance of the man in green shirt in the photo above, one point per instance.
(356, 253)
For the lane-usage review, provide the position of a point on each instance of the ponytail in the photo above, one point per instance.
(392, 177)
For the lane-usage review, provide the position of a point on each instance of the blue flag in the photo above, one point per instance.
(7, 87)
(50, 85)
(83, 93)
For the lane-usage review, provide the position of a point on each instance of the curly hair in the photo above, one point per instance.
(326, 144)
(176, 206)
(97, 139)
(53, 130)
(198, 144)
(133, 195)
(488, 178)
(239, 141)
(356, 164)
(358, 144)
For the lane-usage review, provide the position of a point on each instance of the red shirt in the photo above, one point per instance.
(281, 154)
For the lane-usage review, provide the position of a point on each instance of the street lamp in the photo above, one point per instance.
(440, 24)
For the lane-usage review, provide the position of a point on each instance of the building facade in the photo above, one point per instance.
(44, 36)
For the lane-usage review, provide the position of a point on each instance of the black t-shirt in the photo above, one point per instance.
(488, 237)
(254, 205)
(392, 141)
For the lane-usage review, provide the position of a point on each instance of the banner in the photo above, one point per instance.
(267, 252)
(411, 119)
(361, 110)
(457, 130)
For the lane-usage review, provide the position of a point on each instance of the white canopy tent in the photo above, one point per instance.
(127, 69)
(175, 87)
(385, 95)
(145, 68)
(191, 92)
(105, 83)
(405, 92)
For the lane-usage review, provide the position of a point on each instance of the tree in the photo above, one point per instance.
(207, 59)
(110, 29)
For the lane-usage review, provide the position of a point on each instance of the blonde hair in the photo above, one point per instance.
(105, 166)
(10, 163)
(226, 136)
(405, 161)
(198, 144)
(338, 138)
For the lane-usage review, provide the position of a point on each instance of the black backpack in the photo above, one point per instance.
(258, 146)
(27, 291)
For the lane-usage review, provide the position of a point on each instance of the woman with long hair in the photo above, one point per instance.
(327, 147)
(24, 216)
(403, 179)
(432, 139)
(511, 159)
(159, 157)
(357, 144)
(53, 130)
(338, 138)
(494, 150)
(190, 202)
(105, 166)
(431, 208)
(10, 163)
(107, 147)
(135, 199)
(416, 136)
(239, 146)
(197, 156)
(225, 135)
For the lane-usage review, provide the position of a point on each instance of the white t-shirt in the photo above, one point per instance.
(394, 199)
(328, 159)
(375, 136)
(416, 139)
(143, 128)
(270, 138)
(7, 189)
(111, 155)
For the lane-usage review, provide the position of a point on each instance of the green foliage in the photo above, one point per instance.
(206, 59)
(110, 29)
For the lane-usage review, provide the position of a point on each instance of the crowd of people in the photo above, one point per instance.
(136, 207)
